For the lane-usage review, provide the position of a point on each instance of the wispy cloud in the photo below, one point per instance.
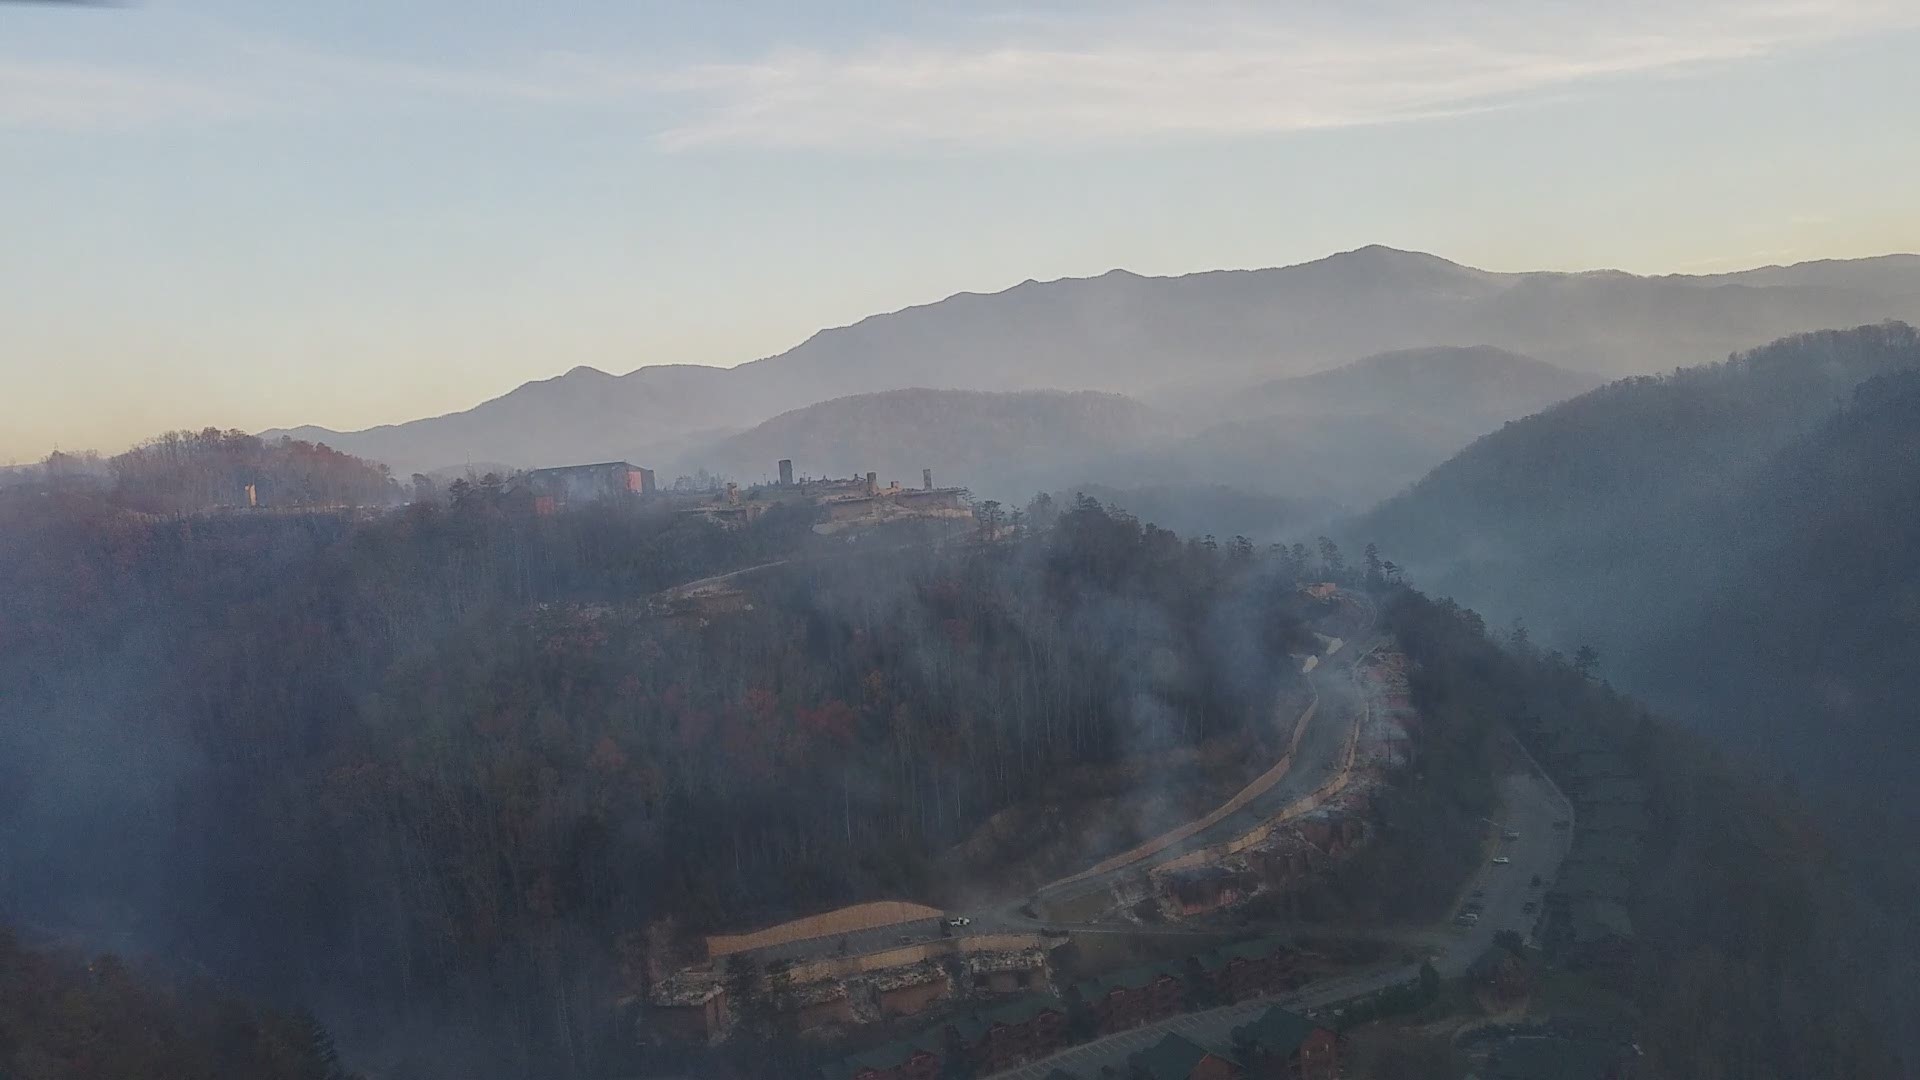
(1228, 69)
(1101, 74)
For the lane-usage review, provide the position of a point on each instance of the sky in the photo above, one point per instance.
(256, 213)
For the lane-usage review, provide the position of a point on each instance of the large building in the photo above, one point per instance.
(573, 485)
(841, 504)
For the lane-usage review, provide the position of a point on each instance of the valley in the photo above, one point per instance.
(1343, 379)
(958, 541)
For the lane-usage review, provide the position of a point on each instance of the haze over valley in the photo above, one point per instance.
(1339, 380)
(707, 623)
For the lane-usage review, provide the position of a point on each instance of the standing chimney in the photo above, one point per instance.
(926, 479)
(873, 483)
(786, 472)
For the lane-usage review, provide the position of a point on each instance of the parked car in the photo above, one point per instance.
(1529, 907)
(1477, 893)
(1563, 824)
(958, 921)
(1501, 860)
(1510, 835)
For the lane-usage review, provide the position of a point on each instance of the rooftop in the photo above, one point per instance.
(1174, 1058)
(1278, 1031)
(578, 468)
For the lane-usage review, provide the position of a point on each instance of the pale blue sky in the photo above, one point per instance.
(263, 213)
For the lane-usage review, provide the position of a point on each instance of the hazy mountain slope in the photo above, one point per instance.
(583, 415)
(1754, 506)
(1125, 333)
(1464, 386)
(1001, 444)
(1815, 610)
(1348, 435)
(1350, 459)
(1886, 275)
(1360, 432)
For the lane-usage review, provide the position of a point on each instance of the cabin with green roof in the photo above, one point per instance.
(1177, 1057)
(1280, 1042)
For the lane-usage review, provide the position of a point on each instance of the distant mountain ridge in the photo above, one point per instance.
(1124, 333)
(1344, 436)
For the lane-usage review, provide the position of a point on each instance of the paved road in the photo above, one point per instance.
(1531, 805)
(1315, 760)
(1087, 1059)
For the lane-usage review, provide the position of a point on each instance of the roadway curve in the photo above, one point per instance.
(1532, 805)
(1320, 751)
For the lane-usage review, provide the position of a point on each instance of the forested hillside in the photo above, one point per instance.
(67, 1018)
(1737, 544)
(1472, 388)
(439, 771)
(1757, 953)
(452, 780)
(1735, 540)
(202, 470)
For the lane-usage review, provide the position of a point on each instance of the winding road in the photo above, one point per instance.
(1320, 750)
(1532, 804)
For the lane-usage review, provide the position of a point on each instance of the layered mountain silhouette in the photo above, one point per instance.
(1155, 337)
(1357, 433)
(1340, 437)
(999, 442)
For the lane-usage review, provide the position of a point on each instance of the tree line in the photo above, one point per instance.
(450, 764)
